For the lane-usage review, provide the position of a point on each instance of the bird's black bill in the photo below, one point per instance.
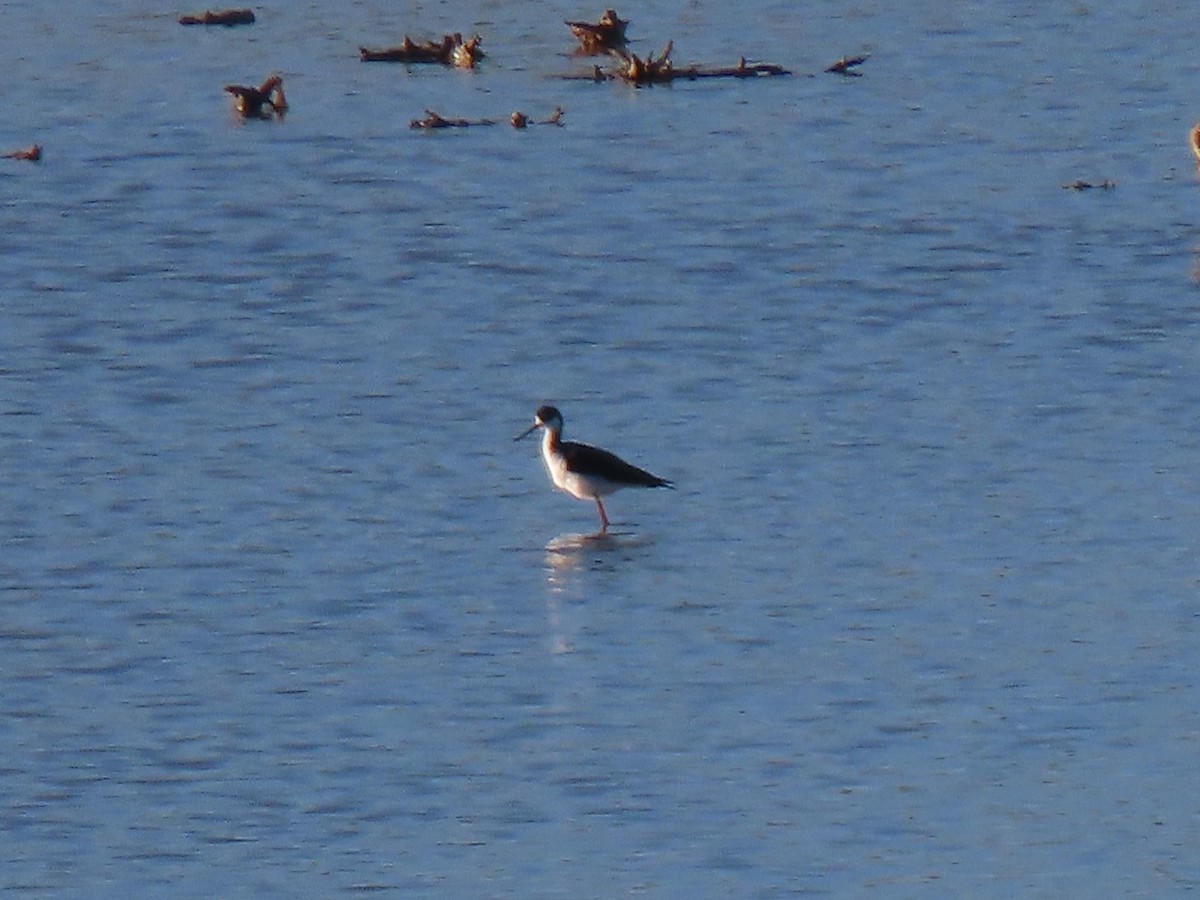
(533, 427)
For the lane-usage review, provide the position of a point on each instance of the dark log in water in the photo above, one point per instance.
(637, 71)
(518, 119)
(452, 50)
(220, 17)
(32, 153)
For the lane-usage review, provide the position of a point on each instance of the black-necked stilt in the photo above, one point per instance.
(583, 471)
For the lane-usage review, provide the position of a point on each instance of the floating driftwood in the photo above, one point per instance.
(1106, 185)
(436, 120)
(518, 119)
(452, 50)
(32, 153)
(847, 64)
(263, 102)
(600, 37)
(220, 17)
(635, 70)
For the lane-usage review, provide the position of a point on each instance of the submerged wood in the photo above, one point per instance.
(847, 64)
(649, 70)
(518, 119)
(599, 37)
(31, 153)
(638, 71)
(436, 120)
(452, 50)
(741, 70)
(1106, 185)
(220, 17)
(263, 102)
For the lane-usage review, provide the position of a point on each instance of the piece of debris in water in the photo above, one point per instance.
(847, 64)
(32, 153)
(220, 17)
(452, 50)
(661, 70)
(436, 120)
(263, 102)
(518, 119)
(599, 37)
(649, 70)
(1106, 185)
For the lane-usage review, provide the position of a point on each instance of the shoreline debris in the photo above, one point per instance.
(451, 50)
(228, 17)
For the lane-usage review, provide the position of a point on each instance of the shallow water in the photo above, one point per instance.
(286, 611)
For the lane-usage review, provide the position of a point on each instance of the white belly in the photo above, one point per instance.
(578, 486)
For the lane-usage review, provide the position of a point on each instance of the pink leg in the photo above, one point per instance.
(603, 517)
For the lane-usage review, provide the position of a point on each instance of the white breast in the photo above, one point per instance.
(566, 480)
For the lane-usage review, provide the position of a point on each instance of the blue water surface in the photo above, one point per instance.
(287, 613)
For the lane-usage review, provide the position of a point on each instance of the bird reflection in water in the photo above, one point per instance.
(563, 586)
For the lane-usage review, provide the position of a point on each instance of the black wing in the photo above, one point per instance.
(588, 460)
